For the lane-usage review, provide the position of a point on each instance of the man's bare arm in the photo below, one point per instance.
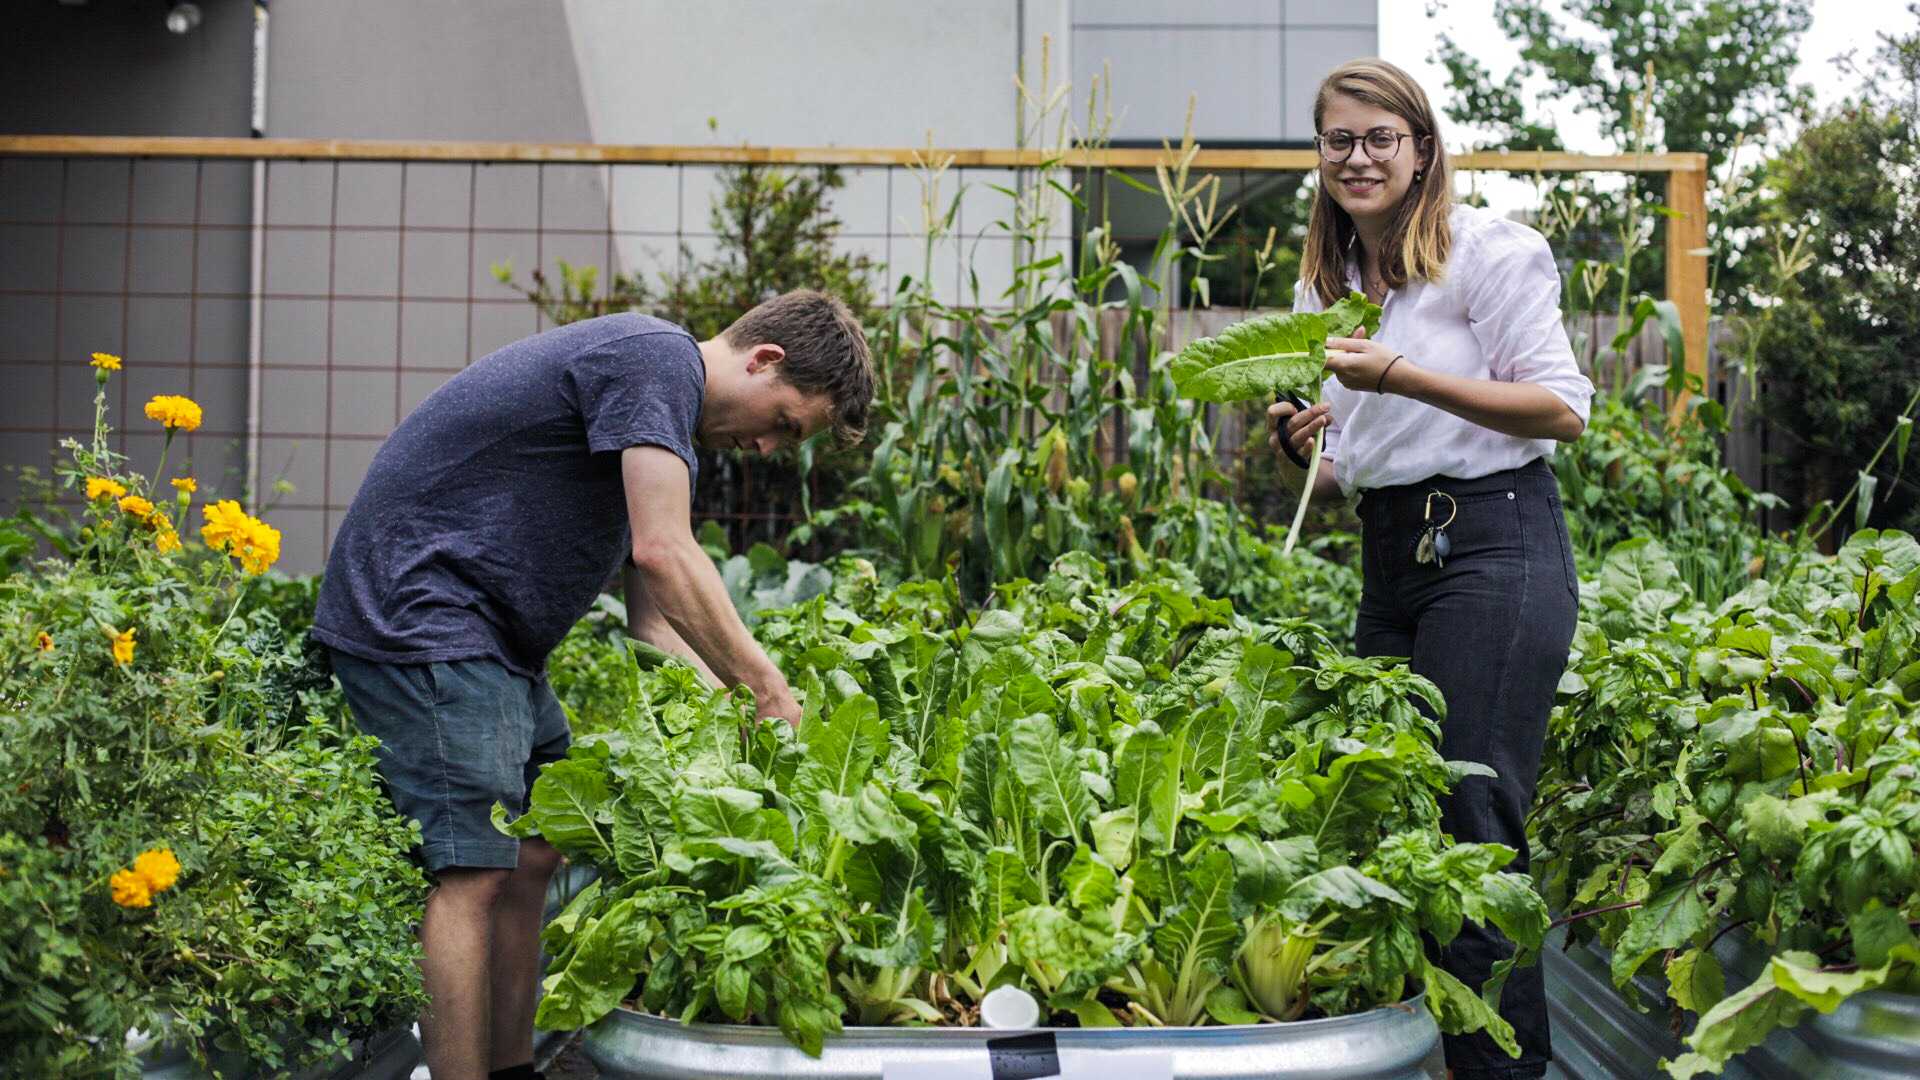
(683, 586)
(645, 622)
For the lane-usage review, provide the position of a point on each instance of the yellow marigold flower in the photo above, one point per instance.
(105, 361)
(100, 487)
(225, 520)
(130, 889)
(259, 549)
(158, 867)
(174, 411)
(123, 647)
(137, 506)
(166, 541)
(184, 483)
(44, 641)
(232, 530)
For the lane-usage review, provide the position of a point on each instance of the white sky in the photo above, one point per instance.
(1407, 36)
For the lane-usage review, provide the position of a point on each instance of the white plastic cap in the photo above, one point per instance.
(1009, 1007)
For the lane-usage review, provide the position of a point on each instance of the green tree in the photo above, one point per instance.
(1840, 354)
(1721, 73)
(776, 232)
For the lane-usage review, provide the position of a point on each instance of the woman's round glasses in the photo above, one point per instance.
(1337, 146)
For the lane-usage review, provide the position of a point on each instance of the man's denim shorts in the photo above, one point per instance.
(455, 738)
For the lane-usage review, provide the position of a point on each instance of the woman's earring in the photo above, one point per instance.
(1418, 175)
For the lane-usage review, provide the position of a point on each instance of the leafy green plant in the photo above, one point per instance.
(1269, 357)
(193, 841)
(1631, 475)
(1127, 800)
(1018, 426)
(1746, 767)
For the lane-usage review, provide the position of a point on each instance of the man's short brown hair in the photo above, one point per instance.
(826, 352)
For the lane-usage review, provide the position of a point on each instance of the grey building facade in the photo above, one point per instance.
(308, 305)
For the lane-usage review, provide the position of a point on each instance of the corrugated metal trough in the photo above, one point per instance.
(1384, 1044)
(1598, 1035)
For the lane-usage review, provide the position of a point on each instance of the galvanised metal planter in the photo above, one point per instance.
(1598, 1035)
(1384, 1044)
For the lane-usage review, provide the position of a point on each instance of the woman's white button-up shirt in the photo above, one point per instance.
(1494, 314)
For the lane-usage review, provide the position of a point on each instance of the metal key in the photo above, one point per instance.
(1433, 546)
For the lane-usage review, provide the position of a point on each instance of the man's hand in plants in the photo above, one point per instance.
(1360, 362)
(1299, 427)
(779, 701)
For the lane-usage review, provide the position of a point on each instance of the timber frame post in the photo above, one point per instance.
(1687, 271)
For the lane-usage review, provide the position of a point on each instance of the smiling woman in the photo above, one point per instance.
(1440, 421)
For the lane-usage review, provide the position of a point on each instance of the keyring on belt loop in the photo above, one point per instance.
(1427, 513)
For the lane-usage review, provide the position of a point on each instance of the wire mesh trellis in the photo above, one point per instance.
(310, 296)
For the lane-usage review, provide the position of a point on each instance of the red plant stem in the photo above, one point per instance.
(1728, 929)
(1596, 911)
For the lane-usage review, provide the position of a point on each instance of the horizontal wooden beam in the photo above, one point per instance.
(595, 153)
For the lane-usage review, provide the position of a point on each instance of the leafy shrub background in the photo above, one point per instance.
(290, 927)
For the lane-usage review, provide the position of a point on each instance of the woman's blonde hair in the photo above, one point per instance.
(1418, 239)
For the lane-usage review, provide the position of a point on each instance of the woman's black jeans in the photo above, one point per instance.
(1491, 629)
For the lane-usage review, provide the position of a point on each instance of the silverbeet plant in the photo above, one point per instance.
(1129, 801)
(1266, 358)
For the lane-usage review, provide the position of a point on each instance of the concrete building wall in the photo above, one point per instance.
(376, 280)
(376, 275)
(105, 255)
(1251, 65)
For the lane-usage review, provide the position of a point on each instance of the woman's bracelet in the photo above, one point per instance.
(1381, 386)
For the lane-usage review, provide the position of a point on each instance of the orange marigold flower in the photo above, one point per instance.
(123, 647)
(158, 867)
(105, 361)
(44, 641)
(137, 506)
(166, 541)
(130, 889)
(101, 487)
(174, 411)
(184, 483)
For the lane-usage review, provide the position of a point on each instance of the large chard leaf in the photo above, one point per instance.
(1050, 776)
(1201, 931)
(1009, 886)
(571, 806)
(867, 817)
(840, 752)
(606, 960)
(1254, 359)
